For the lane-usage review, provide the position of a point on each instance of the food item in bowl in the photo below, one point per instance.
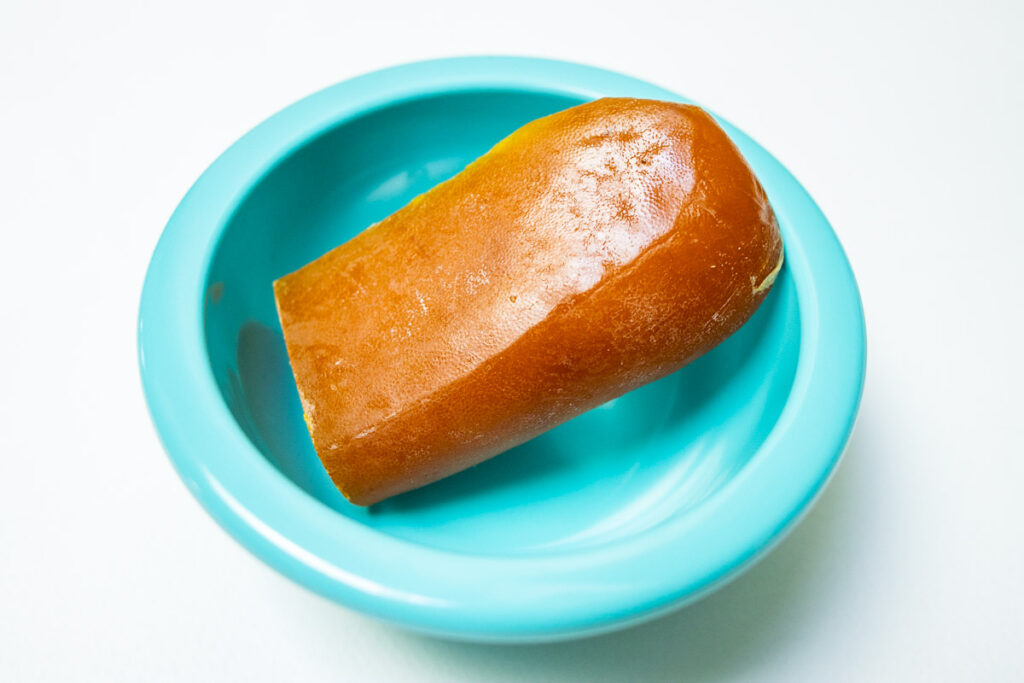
(588, 253)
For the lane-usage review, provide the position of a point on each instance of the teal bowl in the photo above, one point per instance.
(624, 513)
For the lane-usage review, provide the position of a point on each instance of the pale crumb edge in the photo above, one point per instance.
(769, 280)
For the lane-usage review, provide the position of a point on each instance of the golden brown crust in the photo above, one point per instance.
(588, 253)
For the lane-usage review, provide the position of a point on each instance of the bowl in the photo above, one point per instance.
(624, 513)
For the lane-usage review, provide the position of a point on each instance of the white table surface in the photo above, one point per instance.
(902, 119)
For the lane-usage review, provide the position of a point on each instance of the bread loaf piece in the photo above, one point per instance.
(588, 253)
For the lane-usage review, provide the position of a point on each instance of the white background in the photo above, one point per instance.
(904, 120)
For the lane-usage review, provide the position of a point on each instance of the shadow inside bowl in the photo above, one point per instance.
(616, 470)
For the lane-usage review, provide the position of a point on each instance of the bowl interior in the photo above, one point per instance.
(617, 470)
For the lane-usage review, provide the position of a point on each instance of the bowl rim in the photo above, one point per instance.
(456, 595)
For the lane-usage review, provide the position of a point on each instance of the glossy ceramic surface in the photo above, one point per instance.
(625, 512)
